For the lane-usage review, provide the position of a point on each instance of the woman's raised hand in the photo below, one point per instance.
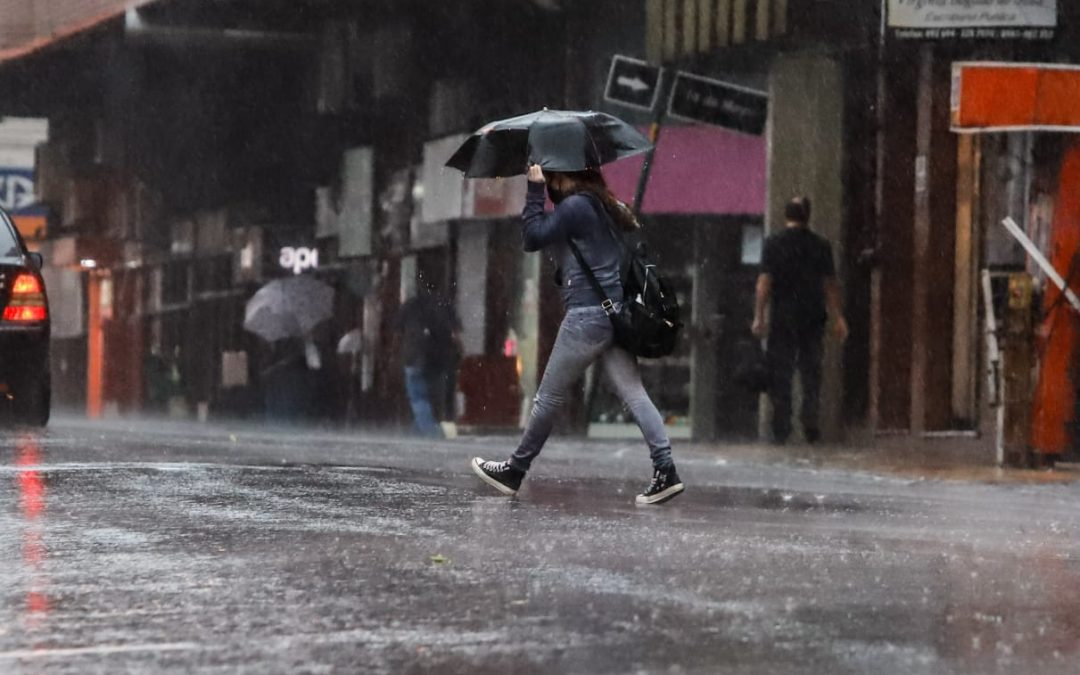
(536, 174)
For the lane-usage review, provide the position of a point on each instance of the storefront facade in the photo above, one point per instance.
(1019, 158)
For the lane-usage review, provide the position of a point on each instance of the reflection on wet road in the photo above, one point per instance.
(31, 491)
(179, 549)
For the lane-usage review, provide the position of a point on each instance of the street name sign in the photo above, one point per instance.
(632, 83)
(723, 104)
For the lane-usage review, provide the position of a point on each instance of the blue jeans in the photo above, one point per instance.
(586, 336)
(416, 387)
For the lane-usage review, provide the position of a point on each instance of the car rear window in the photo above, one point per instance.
(9, 247)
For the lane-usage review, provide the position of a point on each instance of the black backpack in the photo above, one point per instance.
(647, 323)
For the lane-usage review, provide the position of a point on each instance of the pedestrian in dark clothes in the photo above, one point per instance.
(796, 292)
(430, 345)
(587, 212)
(444, 355)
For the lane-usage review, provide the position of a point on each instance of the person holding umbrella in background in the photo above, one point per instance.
(285, 313)
(564, 151)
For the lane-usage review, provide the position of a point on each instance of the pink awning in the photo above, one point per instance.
(698, 169)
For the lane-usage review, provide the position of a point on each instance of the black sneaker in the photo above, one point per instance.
(499, 475)
(665, 485)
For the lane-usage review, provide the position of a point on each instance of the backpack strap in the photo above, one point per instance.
(625, 254)
(607, 304)
(601, 210)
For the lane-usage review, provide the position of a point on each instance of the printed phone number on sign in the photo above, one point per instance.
(975, 33)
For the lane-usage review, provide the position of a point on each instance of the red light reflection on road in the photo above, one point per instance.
(31, 487)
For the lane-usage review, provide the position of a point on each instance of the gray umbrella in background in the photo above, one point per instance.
(557, 140)
(289, 307)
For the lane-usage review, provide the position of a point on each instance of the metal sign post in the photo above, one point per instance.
(654, 138)
(995, 382)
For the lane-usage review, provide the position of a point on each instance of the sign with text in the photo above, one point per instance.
(298, 258)
(720, 103)
(18, 199)
(16, 189)
(973, 19)
(632, 83)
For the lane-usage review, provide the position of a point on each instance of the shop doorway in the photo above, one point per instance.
(711, 263)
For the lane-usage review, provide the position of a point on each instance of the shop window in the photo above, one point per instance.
(753, 243)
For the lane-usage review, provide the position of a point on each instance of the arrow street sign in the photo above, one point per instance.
(714, 102)
(632, 83)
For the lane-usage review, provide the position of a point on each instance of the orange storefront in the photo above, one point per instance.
(1023, 120)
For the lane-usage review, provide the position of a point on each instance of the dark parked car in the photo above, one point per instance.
(25, 385)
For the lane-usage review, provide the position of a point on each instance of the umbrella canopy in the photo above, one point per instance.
(557, 140)
(289, 307)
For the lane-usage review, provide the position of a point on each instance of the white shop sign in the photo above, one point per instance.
(298, 258)
(1020, 19)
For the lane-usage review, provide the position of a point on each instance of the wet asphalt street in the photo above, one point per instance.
(183, 548)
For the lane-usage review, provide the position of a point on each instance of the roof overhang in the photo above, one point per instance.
(995, 97)
(73, 24)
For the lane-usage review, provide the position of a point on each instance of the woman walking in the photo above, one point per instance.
(584, 212)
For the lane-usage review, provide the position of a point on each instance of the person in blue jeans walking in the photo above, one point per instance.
(586, 211)
(429, 343)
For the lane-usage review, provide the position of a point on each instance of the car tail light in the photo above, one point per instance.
(27, 301)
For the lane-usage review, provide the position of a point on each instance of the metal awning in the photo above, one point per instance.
(990, 97)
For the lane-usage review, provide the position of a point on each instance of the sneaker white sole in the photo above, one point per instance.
(660, 497)
(476, 462)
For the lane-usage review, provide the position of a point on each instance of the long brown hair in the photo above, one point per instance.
(591, 180)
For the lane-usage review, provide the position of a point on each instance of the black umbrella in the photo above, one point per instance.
(557, 140)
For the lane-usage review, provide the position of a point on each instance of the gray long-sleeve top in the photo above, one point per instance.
(581, 217)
